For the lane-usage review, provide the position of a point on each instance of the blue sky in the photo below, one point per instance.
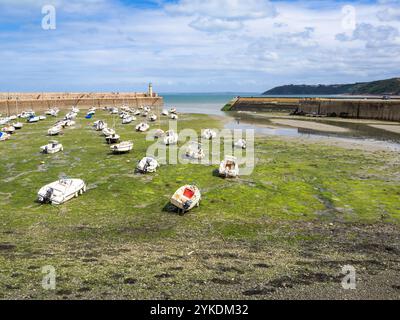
(196, 45)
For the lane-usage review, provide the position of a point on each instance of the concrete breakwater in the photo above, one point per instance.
(359, 108)
(353, 108)
(262, 104)
(13, 103)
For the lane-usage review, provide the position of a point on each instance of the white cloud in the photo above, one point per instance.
(224, 9)
(106, 45)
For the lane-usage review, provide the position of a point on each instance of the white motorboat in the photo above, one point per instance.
(195, 151)
(186, 198)
(75, 109)
(142, 127)
(241, 144)
(122, 147)
(209, 134)
(13, 117)
(33, 119)
(170, 137)
(159, 133)
(8, 129)
(165, 113)
(127, 120)
(108, 131)
(172, 110)
(18, 125)
(113, 138)
(61, 191)
(137, 113)
(114, 111)
(145, 114)
(4, 136)
(173, 116)
(42, 117)
(53, 131)
(153, 117)
(147, 109)
(52, 147)
(99, 125)
(3, 121)
(70, 116)
(229, 168)
(27, 114)
(147, 164)
(68, 123)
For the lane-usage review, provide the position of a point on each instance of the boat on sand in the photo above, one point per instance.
(186, 198)
(123, 147)
(61, 191)
(52, 147)
(147, 165)
(229, 168)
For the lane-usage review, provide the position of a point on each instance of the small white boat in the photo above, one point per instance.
(113, 138)
(68, 123)
(241, 144)
(145, 114)
(127, 120)
(99, 125)
(53, 131)
(42, 117)
(33, 119)
(3, 121)
(18, 125)
(137, 113)
(108, 131)
(165, 113)
(209, 134)
(70, 116)
(173, 116)
(147, 109)
(52, 112)
(229, 168)
(75, 109)
(195, 151)
(4, 136)
(61, 191)
(170, 137)
(186, 198)
(27, 114)
(172, 110)
(147, 164)
(159, 133)
(8, 129)
(122, 147)
(52, 147)
(153, 117)
(142, 127)
(114, 111)
(13, 117)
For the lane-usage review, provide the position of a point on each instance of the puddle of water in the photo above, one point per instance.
(357, 131)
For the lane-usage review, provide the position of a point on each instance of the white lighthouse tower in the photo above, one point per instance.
(150, 92)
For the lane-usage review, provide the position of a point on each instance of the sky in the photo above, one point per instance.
(195, 45)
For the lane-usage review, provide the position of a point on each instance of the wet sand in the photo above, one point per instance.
(387, 127)
(309, 125)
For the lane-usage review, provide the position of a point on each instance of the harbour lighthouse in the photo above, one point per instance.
(150, 91)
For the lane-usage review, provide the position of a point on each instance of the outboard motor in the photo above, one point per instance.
(47, 197)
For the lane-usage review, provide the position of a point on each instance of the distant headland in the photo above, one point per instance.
(382, 87)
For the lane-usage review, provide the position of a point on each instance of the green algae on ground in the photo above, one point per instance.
(291, 182)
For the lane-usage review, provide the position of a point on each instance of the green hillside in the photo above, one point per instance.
(382, 87)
